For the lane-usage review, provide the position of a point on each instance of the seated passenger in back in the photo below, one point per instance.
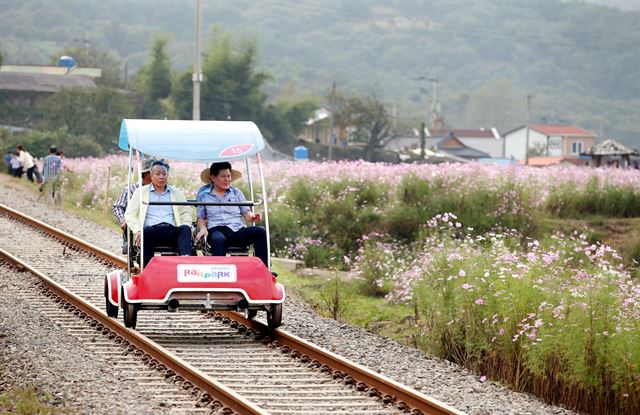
(223, 226)
(163, 225)
(121, 203)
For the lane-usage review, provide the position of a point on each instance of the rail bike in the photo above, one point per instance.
(239, 281)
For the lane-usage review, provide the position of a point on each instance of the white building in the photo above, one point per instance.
(484, 140)
(549, 140)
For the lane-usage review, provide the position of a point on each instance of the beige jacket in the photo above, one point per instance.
(26, 159)
(135, 219)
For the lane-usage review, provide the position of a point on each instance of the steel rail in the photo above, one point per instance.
(216, 390)
(387, 388)
(66, 237)
(352, 372)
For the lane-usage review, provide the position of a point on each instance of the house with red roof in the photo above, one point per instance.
(548, 140)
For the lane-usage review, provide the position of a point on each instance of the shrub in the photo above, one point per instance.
(558, 317)
(38, 142)
(285, 227)
(322, 256)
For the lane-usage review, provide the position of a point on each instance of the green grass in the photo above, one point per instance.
(27, 401)
(71, 194)
(372, 313)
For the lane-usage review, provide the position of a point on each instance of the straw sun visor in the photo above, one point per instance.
(205, 176)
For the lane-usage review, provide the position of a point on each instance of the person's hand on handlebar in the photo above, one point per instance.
(252, 217)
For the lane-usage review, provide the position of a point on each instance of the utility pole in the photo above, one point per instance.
(423, 140)
(197, 74)
(333, 120)
(526, 150)
(435, 110)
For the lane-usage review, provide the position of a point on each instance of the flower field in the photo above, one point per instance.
(550, 313)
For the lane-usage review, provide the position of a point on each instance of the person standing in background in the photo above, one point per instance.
(7, 159)
(16, 166)
(120, 205)
(51, 166)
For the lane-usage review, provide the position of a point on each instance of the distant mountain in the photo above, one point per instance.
(580, 61)
(631, 5)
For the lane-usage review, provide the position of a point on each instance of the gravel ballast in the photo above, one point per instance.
(439, 379)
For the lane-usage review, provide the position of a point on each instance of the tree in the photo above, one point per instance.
(154, 80)
(368, 117)
(92, 112)
(297, 114)
(232, 88)
(38, 143)
(285, 121)
(182, 96)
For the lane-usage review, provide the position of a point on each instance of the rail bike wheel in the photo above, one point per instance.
(129, 312)
(251, 314)
(112, 310)
(274, 316)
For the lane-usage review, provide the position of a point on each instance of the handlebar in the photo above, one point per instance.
(194, 203)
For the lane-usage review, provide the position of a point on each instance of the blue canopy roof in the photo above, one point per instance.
(192, 140)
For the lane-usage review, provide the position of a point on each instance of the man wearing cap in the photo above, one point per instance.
(120, 205)
(224, 225)
(163, 225)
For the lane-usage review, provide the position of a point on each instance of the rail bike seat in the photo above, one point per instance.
(165, 251)
(204, 246)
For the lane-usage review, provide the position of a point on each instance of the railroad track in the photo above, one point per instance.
(221, 360)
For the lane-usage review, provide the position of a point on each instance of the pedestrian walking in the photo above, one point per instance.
(51, 169)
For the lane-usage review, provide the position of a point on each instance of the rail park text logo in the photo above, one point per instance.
(207, 273)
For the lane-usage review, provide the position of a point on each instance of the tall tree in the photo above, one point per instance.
(154, 80)
(232, 86)
(96, 113)
(369, 118)
(182, 96)
(233, 89)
